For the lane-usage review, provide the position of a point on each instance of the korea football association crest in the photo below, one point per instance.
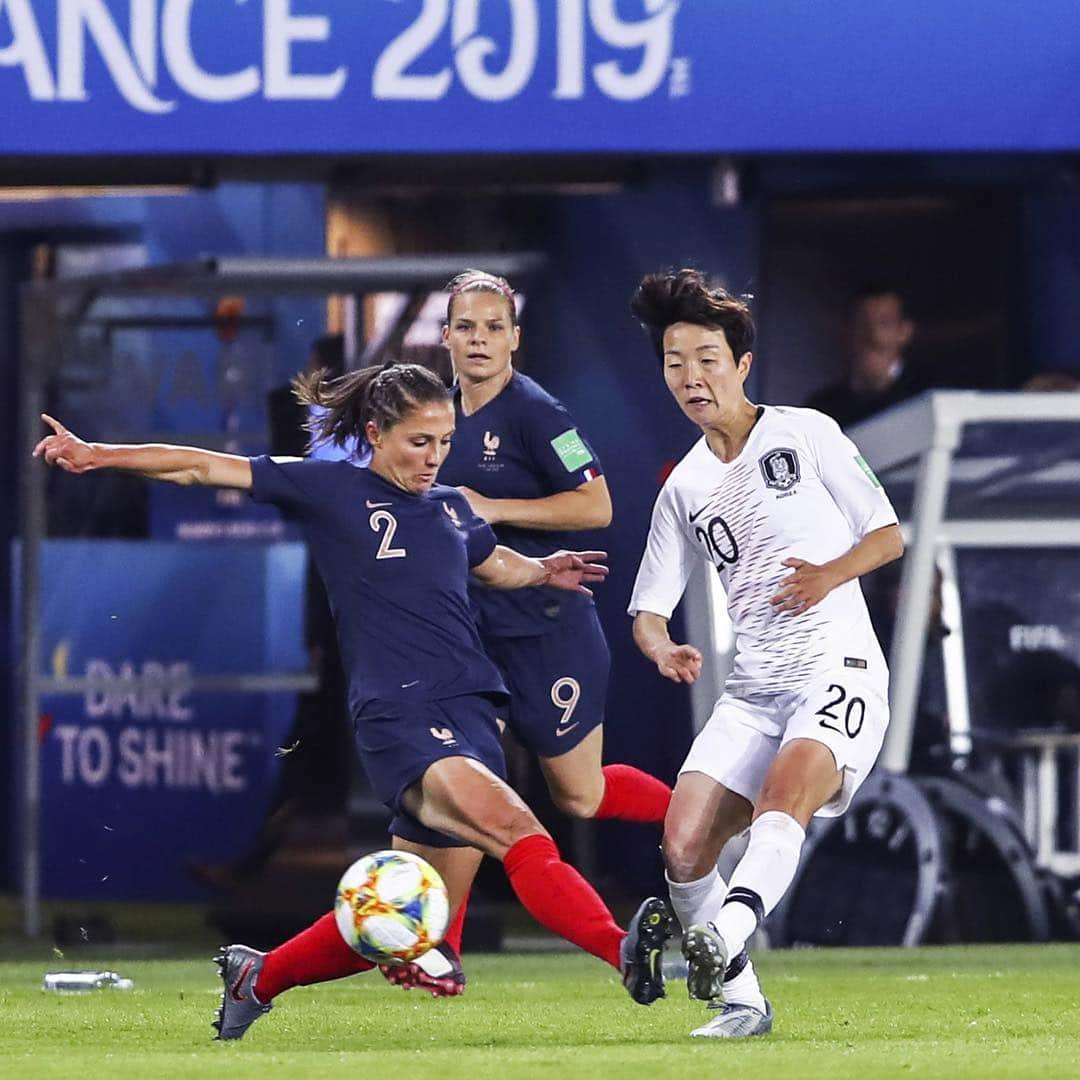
(780, 468)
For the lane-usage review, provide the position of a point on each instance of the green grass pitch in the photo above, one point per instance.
(995, 1011)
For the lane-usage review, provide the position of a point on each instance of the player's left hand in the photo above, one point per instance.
(806, 586)
(568, 569)
(481, 505)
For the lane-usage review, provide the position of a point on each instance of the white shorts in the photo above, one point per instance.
(845, 711)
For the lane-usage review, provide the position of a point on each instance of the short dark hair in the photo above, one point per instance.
(686, 295)
(382, 393)
(480, 281)
(328, 353)
(875, 290)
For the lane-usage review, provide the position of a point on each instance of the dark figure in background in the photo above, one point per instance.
(314, 778)
(878, 374)
(286, 417)
(1053, 382)
(314, 774)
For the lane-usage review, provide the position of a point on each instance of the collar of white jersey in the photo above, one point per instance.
(765, 413)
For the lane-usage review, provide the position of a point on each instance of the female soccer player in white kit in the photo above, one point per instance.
(785, 508)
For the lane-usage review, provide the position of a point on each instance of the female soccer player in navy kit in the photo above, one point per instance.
(525, 467)
(395, 551)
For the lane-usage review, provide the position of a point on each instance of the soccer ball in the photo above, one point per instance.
(391, 907)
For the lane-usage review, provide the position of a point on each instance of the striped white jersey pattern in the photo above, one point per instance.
(800, 489)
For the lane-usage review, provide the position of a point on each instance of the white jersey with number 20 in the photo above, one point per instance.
(799, 489)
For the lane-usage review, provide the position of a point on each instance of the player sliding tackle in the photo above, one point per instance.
(395, 551)
(785, 508)
(531, 473)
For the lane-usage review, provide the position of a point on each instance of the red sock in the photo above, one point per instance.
(632, 795)
(558, 897)
(315, 955)
(453, 933)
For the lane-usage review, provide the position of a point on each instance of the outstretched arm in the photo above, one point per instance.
(506, 569)
(158, 461)
(679, 663)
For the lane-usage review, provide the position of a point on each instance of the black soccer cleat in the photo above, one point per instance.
(238, 967)
(706, 962)
(438, 971)
(642, 950)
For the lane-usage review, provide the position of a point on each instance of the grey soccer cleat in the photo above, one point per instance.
(735, 1022)
(706, 961)
(642, 951)
(238, 967)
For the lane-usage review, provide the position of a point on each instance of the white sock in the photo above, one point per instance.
(697, 902)
(761, 878)
(745, 989)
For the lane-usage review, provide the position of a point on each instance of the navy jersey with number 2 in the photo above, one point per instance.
(396, 566)
(396, 569)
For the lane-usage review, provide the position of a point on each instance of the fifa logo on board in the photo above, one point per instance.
(491, 446)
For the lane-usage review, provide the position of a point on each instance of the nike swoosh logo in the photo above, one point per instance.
(406, 685)
(240, 982)
(697, 513)
(375, 506)
(559, 732)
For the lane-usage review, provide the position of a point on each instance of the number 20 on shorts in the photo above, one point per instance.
(842, 714)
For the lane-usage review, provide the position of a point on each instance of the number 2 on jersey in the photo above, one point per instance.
(376, 521)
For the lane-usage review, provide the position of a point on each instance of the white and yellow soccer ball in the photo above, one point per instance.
(391, 907)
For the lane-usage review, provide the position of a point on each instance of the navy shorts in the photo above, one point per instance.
(396, 750)
(558, 682)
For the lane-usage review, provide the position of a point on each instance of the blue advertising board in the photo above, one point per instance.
(481, 76)
(138, 783)
(1021, 638)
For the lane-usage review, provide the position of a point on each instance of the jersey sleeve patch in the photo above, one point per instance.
(571, 450)
(870, 474)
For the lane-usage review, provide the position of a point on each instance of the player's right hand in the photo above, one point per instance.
(64, 448)
(679, 663)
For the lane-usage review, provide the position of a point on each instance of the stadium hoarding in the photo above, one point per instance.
(152, 755)
(329, 77)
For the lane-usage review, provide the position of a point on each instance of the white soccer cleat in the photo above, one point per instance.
(735, 1022)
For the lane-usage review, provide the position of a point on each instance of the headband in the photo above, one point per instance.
(484, 279)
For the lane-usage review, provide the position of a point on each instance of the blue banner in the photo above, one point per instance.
(484, 76)
(138, 783)
(1021, 639)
